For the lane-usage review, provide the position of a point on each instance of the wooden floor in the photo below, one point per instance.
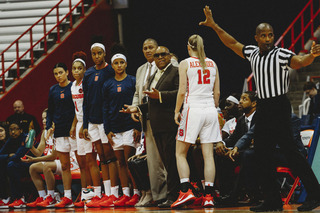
(287, 209)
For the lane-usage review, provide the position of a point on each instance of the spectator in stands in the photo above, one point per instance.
(119, 127)
(314, 108)
(84, 147)
(60, 116)
(48, 165)
(11, 166)
(157, 173)
(93, 81)
(3, 134)
(27, 121)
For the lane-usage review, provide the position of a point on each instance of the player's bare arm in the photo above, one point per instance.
(226, 38)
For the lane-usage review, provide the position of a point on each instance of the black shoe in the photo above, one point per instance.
(227, 201)
(267, 207)
(166, 204)
(309, 205)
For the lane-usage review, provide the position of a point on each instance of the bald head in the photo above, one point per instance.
(262, 27)
(18, 107)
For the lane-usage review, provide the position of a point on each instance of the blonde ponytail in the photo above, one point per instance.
(196, 44)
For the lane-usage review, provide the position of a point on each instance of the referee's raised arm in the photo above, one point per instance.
(226, 38)
(299, 61)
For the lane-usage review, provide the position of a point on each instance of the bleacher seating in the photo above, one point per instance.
(16, 16)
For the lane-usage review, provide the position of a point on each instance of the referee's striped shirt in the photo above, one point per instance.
(270, 71)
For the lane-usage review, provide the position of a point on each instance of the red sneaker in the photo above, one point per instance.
(121, 202)
(4, 204)
(104, 198)
(184, 198)
(18, 204)
(79, 204)
(207, 201)
(94, 203)
(110, 202)
(34, 203)
(49, 202)
(64, 203)
(133, 201)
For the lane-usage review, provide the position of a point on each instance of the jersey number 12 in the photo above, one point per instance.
(203, 77)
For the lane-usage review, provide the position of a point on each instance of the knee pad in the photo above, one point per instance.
(109, 161)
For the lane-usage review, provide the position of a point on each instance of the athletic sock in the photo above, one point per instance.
(97, 191)
(67, 193)
(115, 191)
(51, 192)
(136, 192)
(126, 191)
(107, 187)
(42, 193)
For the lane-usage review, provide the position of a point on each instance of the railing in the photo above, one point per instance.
(43, 39)
(298, 30)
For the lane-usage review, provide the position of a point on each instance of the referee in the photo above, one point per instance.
(270, 66)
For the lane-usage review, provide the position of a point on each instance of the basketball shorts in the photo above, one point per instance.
(199, 120)
(83, 146)
(96, 132)
(66, 144)
(123, 139)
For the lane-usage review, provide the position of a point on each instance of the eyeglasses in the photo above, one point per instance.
(157, 55)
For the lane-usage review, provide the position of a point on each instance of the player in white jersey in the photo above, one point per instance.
(200, 90)
(48, 164)
(84, 147)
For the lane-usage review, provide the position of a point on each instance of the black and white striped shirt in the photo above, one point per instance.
(270, 71)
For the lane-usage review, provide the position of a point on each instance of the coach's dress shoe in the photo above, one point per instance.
(166, 204)
(309, 205)
(267, 207)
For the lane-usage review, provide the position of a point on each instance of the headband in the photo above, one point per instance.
(79, 59)
(232, 99)
(191, 45)
(98, 45)
(118, 55)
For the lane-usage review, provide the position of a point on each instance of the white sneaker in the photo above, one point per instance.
(87, 194)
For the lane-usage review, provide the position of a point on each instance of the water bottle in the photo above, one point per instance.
(32, 135)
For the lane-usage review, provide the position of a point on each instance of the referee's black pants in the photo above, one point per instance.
(273, 127)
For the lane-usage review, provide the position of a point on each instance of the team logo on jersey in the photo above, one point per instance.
(96, 78)
(181, 132)
(80, 90)
(119, 88)
(62, 95)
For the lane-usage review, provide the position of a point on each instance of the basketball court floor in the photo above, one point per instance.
(287, 209)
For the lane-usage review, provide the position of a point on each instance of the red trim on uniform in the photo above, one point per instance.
(187, 90)
(80, 82)
(186, 128)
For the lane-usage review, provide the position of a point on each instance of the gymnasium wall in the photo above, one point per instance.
(33, 89)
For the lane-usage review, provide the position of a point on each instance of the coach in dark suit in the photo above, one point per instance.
(159, 109)
(225, 167)
(164, 86)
